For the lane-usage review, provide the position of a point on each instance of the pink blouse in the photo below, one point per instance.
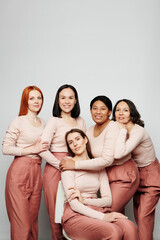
(102, 148)
(54, 133)
(139, 143)
(88, 183)
(20, 134)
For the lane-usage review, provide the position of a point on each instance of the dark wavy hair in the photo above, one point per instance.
(56, 112)
(134, 114)
(88, 148)
(103, 99)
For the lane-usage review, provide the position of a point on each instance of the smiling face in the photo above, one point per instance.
(122, 113)
(77, 143)
(100, 112)
(67, 100)
(34, 101)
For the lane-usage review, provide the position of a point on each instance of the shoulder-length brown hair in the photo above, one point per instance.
(134, 114)
(88, 148)
(24, 100)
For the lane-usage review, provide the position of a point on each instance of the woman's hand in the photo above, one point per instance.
(75, 194)
(67, 164)
(36, 148)
(127, 126)
(121, 125)
(40, 146)
(113, 217)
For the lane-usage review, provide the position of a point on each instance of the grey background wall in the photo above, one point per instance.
(106, 47)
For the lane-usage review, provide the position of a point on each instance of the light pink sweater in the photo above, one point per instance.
(20, 134)
(54, 133)
(88, 183)
(102, 148)
(139, 143)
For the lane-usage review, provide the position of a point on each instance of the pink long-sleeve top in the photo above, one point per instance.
(20, 134)
(102, 148)
(139, 143)
(88, 183)
(54, 133)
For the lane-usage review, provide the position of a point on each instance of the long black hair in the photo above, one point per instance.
(56, 112)
(134, 114)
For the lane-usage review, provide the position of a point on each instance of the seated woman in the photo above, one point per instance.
(86, 216)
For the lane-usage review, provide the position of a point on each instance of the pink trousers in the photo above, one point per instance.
(23, 195)
(146, 199)
(51, 178)
(124, 181)
(80, 227)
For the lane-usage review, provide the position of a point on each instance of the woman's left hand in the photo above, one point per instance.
(121, 125)
(67, 164)
(75, 194)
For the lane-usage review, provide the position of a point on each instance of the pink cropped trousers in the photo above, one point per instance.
(124, 181)
(23, 196)
(146, 199)
(51, 179)
(81, 227)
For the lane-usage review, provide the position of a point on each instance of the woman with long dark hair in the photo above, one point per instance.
(85, 215)
(133, 138)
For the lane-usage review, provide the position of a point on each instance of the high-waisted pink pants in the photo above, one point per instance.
(51, 179)
(124, 181)
(81, 227)
(146, 199)
(23, 196)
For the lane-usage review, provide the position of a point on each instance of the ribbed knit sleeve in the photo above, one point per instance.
(68, 181)
(9, 145)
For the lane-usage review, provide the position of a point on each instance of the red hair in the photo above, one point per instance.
(24, 100)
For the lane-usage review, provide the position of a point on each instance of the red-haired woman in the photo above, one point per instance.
(24, 177)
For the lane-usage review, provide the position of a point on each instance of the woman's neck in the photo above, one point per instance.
(69, 119)
(33, 119)
(66, 115)
(83, 156)
(32, 116)
(98, 129)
